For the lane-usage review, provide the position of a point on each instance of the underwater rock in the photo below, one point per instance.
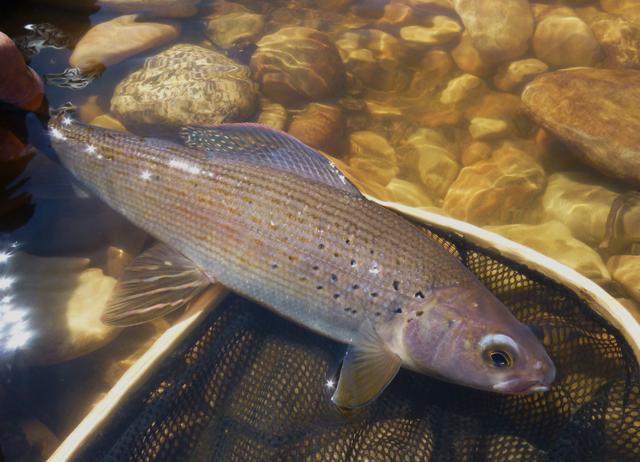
(577, 200)
(371, 158)
(162, 8)
(235, 29)
(444, 6)
(90, 109)
(273, 115)
(469, 60)
(554, 239)
(437, 166)
(541, 11)
(498, 190)
(623, 225)
(461, 88)
(620, 42)
(628, 9)
(513, 74)
(499, 30)
(298, 64)
(482, 128)
(19, 84)
(597, 111)
(565, 42)
(625, 269)
(108, 121)
(186, 84)
(396, 14)
(320, 126)
(441, 31)
(60, 301)
(98, 49)
(475, 152)
(408, 193)
(495, 105)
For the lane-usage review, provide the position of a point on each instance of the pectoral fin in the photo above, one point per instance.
(367, 369)
(157, 282)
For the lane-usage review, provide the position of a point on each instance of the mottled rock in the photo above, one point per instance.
(320, 126)
(298, 64)
(19, 84)
(273, 115)
(469, 60)
(107, 121)
(235, 29)
(623, 225)
(98, 49)
(565, 42)
(541, 11)
(475, 152)
(408, 193)
(441, 31)
(620, 42)
(596, 110)
(513, 74)
(372, 158)
(578, 201)
(628, 9)
(499, 30)
(498, 190)
(482, 128)
(625, 269)
(555, 240)
(461, 88)
(185, 84)
(163, 8)
(396, 14)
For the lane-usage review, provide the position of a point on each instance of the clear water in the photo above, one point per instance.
(57, 359)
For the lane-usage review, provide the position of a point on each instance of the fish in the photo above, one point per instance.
(274, 220)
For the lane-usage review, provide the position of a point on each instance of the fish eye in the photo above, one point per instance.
(499, 358)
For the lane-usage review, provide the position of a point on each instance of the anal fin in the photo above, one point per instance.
(155, 283)
(368, 367)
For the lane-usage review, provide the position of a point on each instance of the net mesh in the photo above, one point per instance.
(249, 386)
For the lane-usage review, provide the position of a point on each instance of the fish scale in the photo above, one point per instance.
(283, 241)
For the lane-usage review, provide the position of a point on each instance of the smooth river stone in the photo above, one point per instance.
(565, 42)
(625, 269)
(408, 193)
(19, 84)
(372, 159)
(97, 48)
(273, 115)
(498, 190)
(298, 64)
(555, 240)
(469, 59)
(577, 200)
(628, 9)
(620, 42)
(482, 128)
(442, 31)
(162, 8)
(186, 84)
(321, 126)
(597, 111)
(461, 88)
(511, 75)
(499, 30)
(235, 29)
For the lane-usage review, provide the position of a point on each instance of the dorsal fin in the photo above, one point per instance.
(262, 145)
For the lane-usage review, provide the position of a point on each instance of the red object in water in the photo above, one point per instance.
(19, 84)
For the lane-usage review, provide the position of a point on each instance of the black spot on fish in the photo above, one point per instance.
(274, 266)
(396, 285)
(398, 310)
(419, 294)
(347, 309)
(336, 296)
(319, 287)
(371, 251)
(377, 313)
(334, 278)
(450, 323)
(315, 267)
(374, 294)
(419, 313)
(355, 286)
(353, 263)
(347, 241)
(337, 255)
(321, 246)
(303, 279)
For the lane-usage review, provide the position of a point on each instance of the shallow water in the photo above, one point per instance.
(393, 90)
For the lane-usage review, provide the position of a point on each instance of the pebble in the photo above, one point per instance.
(565, 42)
(555, 240)
(237, 29)
(321, 126)
(498, 190)
(161, 8)
(19, 84)
(475, 152)
(511, 75)
(482, 129)
(595, 110)
(461, 88)
(273, 115)
(97, 49)
(442, 30)
(469, 59)
(620, 42)
(628, 9)
(298, 64)
(499, 30)
(372, 156)
(186, 84)
(108, 121)
(408, 193)
(625, 269)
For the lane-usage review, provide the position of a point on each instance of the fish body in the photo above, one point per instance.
(320, 255)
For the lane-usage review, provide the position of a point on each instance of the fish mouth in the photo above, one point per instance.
(517, 386)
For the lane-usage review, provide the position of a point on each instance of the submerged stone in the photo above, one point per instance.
(595, 110)
(482, 128)
(298, 64)
(620, 42)
(565, 42)
(461, 88)
(441, 31)
(408, 193)
(165, 8)
(513, 74)
(235, 29)
(321, 126)
(186, 84)
(625, 269)
(372, 158)
(97, 48)
(469, 59)
(273, 115)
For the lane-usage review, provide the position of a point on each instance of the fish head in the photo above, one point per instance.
(465, 335)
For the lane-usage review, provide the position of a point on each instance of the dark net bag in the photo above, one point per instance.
(249, 386)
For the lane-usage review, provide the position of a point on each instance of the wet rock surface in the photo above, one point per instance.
(161, 8)
(565, 42)
(620, 42)
(186, 84)
(235, 29)
(595, 110)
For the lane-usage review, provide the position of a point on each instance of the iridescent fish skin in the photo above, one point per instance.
(327, 259)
